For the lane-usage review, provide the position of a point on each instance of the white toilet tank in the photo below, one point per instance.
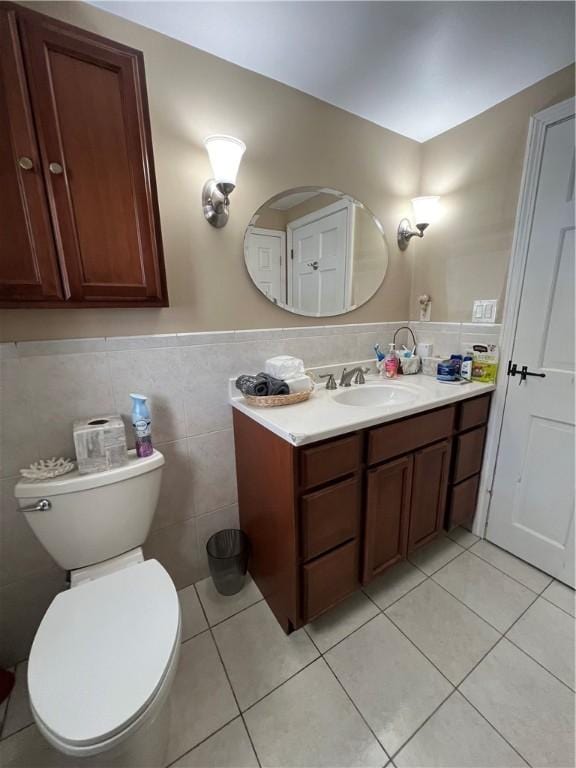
(91, 518)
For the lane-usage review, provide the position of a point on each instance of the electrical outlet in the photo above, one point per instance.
(484, 311)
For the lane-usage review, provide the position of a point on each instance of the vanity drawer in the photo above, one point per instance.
(329, 579)
(407, 435)
(469, 452)
(328, 461)
(462, 504)
(329, 517)
(474, 412)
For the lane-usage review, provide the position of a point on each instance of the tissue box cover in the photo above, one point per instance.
(100, 443)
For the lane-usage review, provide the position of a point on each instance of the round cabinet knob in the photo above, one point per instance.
(25, 163)
(55, 168)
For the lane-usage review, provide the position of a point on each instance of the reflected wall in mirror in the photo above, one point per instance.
(315, 251)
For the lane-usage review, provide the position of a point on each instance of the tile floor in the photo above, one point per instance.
(462, 657)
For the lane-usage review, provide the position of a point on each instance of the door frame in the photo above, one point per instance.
(539, 123)
(253, 230)
(346, 203)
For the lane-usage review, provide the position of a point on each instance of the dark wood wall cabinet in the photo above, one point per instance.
(325, 518)
(79, 221)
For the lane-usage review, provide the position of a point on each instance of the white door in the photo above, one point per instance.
(532, 507)
(319, 263)
(265, 259)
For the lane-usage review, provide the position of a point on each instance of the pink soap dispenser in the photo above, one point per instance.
(391, 363)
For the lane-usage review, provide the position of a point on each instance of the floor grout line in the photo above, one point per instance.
(229, 681)
(507, 574)
(349, 697)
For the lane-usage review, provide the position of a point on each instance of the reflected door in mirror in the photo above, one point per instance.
(266, 261)
(320, 273)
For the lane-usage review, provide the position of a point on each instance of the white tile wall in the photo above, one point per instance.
(44, 386)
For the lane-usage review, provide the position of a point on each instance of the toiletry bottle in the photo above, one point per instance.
(142, 426)
(391, 363)
(466, 368)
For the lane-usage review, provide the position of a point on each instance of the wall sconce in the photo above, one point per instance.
(225, 153)
(425, 211)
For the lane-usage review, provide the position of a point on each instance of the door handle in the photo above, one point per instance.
(525, 372)
(313, 264)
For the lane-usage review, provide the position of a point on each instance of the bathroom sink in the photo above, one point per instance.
(371, 395)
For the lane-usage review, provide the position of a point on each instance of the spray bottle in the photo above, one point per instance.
(142, 426)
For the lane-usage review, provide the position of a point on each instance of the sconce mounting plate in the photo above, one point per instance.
(216, 202)
(406, 233)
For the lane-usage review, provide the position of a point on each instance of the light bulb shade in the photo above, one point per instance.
(225, 153)
(425, 209)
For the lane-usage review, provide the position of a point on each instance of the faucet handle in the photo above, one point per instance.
(331, 383)
(359, 378)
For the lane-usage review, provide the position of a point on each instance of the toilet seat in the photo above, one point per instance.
(104, 653)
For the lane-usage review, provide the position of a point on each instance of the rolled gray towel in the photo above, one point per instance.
(261, 385)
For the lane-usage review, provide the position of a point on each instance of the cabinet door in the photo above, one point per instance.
(28, 262)
(91, 111)
(387, 511)
(429, 487)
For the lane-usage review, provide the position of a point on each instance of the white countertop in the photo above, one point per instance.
(322, 416)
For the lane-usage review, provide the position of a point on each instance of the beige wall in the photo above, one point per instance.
(292, 140)
(477, 168)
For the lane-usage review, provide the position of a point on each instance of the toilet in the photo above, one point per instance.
(105, 654)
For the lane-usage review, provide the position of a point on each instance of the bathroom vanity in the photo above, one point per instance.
(332, 494)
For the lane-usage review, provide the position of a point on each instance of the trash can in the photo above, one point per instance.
(228, 552)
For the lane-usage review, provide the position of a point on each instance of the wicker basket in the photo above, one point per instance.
(271, 401)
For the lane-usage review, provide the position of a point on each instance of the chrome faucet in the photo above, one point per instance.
(354, 373)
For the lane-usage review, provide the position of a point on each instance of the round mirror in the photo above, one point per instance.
(315, 251)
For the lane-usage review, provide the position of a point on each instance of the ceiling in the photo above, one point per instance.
(417, 68)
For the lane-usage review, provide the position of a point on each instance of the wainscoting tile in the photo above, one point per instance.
(176, 502)
(60, 347)
(203, 338)
(258, 655)
(156, 373)
(24, 603)
(213, 470)
(310, 721)
(176, 549)
(156, 341)
(19, 434)
(201, 700)
(64, 388)
(21, 554)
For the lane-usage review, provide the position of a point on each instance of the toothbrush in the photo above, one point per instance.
(379, 355)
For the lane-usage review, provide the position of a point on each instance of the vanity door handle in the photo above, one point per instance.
(56, 169)
(25, 163)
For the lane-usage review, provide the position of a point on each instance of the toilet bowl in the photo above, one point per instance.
(103, 659)
(105, 654)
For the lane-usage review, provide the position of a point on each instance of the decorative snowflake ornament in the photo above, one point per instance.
(46, 468)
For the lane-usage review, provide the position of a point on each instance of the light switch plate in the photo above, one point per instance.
(484, 311)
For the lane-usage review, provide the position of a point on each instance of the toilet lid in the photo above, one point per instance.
(101, 652)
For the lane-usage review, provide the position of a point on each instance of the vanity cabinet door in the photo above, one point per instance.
(429, 488)
(28, 263)
(387, 515)
(90, 107)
